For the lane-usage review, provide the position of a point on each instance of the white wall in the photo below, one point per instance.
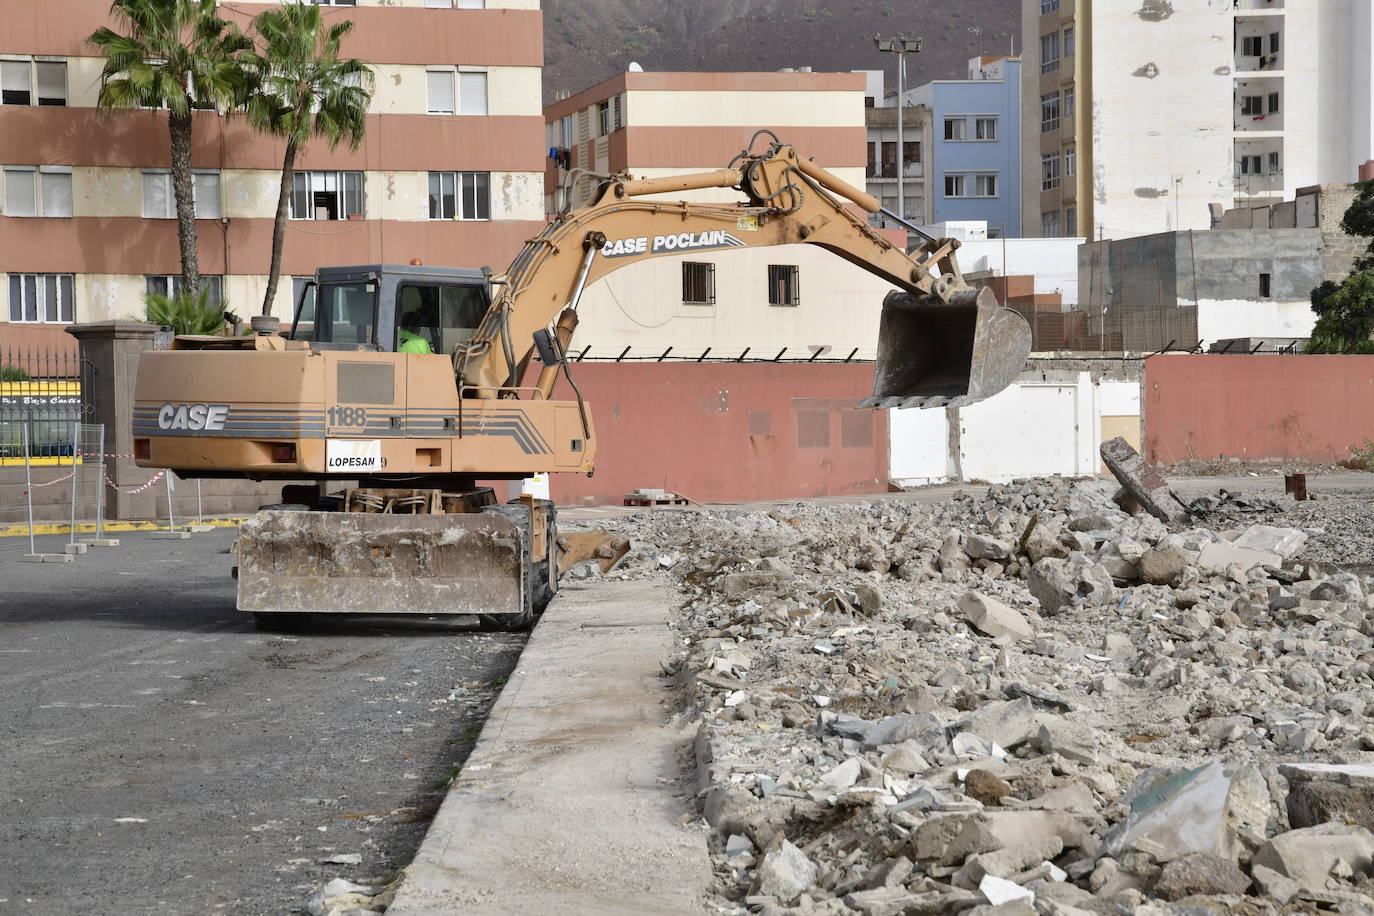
(1223, 319)
(1047, 423)
(640, 306)
(1053, 262)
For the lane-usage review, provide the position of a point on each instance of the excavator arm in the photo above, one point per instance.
(941, 342)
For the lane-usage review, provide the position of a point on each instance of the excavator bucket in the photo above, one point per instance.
(375, 563)
(933, 353)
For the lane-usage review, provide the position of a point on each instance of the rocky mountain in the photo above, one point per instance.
(586, 41)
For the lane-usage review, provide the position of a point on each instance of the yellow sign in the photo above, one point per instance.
(48, 408)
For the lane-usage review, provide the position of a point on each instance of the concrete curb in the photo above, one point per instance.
(89, 527)
(571, 800)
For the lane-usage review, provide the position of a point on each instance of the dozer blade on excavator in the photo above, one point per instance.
(378, 563)
(933, 353)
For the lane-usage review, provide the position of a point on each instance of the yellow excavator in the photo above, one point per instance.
(407, 385)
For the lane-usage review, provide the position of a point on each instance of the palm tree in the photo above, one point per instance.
(302, 89)
(178, 55)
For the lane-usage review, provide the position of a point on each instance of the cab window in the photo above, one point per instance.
(437, 319)
(345, 313)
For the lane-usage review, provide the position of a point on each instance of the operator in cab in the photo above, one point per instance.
(418, 327)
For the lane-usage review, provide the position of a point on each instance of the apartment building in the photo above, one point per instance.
(450, 171)
(1152, 117)
(791, 301)
(888, 153)
(974, 164)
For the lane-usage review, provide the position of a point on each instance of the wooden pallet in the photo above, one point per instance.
(652, 501)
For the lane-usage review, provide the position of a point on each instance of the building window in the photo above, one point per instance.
(1070, 161)
(699, 283)
(955, 186)
(159, 200)
(1252, 105)
(1264, 289)
(170, 285)
(42, 298)
(871, 170)
(911, 151)
(1274, 42)
(603, 118)
(1068, 42)
(889, 159)
(1049, 171)
(1249, 165)
(1049, 52)
(617, 113)
(1048, 6)
(971, 184)
(472, 93)
(460, 195)
(1049, 112)
(1068, 102)
(1273, 102)
(985, 128)
(441, 96)
(954, 128)
(38, 190)
(1274, 165)
(33, 81)
(1071, 221)
(1049, 224)
(1251, 46)
(306, 286)
(985, 186)
(327, 195)
(784, 286)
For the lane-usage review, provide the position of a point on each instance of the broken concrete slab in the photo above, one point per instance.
(1006, 724)
(993, 618)
(1174, 811)
(1286, 542)
(1005, 863)
(1072, 741)
(1200, 873)
(1078, 581)
(1141, 480)
(1309, 854)
(1322, 792)
(785, 873)
(1219, 556)
(1164, 565)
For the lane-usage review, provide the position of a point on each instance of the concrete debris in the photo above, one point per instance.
(1321, 792)
(993, 618)
(1199, 873)
(785, 874)
(1028, 701)
(1309, 855)
(1143, 482)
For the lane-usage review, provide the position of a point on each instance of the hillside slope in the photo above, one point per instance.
(586, 41)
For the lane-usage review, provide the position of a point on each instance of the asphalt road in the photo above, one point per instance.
(160, 755)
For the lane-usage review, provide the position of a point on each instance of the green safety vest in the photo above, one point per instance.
(413, 343)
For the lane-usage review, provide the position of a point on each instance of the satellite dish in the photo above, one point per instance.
(635, 67)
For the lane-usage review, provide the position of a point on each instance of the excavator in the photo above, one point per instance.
(410, 384)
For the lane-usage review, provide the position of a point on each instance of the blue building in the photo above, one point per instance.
(975, 161)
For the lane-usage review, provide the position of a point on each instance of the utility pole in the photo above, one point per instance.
(901, 45)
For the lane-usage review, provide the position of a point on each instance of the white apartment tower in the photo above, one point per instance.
(1137, 117)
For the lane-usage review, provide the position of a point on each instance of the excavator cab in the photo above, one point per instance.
(391, 308)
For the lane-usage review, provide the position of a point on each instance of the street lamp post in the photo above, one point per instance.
(901, 45)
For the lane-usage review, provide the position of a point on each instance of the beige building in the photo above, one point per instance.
(1142, 118)
(791, 301)
(449, 172)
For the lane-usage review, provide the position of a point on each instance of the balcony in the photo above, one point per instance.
(1259, 105)
(889, 171)
(1260, 45)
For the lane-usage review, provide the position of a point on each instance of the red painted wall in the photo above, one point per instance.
(1315, 407)
(728, 431)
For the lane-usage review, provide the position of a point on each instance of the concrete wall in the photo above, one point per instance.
(1311, 407)
(727, 431)
(1051, 421)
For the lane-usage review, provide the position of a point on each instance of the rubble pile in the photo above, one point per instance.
(1028, 702)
